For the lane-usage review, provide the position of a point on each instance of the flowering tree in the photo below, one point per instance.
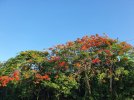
(91, 68)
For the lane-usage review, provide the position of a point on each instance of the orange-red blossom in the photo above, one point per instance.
(4, 80)
(61, 64)
(40, 77)
(96, 60)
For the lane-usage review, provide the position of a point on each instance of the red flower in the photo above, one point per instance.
(79, 41)
(108, 52)
(46, 77)
(84, 47)
(4, 80)
(16, 75)
(61, 64)
(96, 60)
(38, 76)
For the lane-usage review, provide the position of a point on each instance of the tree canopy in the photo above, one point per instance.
(91, 68)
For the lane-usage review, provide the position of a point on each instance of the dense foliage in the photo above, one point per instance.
(91, 68)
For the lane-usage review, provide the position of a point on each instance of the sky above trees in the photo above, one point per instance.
(39, 24)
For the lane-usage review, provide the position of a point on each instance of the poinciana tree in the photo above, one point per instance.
(101, 62)
(91, 68)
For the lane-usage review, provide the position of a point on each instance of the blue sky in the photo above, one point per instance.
(39, 24)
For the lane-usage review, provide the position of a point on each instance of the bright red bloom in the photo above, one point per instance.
(96, 60)
(4, 80)
(46, 77)
(79, 41)
(108, 52)
(38, 76)
(61, 64)
(16, 75)
(84, 47)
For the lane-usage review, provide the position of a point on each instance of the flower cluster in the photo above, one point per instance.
(42, 77)
(96, 60)
(4, 80)
(94, 41)
(61, 64)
